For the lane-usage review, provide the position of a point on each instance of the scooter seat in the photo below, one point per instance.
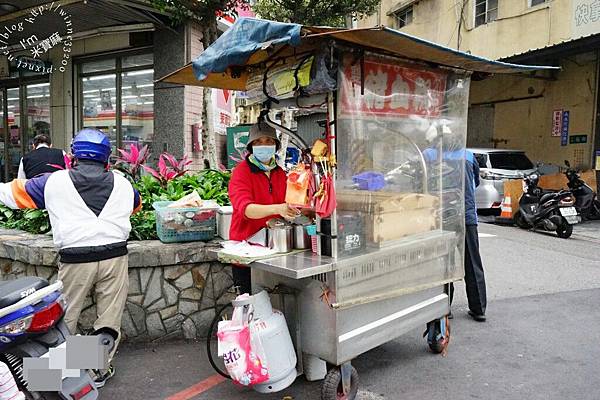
(15, 290)
(547, 196)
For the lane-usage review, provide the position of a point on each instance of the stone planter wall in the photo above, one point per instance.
(174, 289)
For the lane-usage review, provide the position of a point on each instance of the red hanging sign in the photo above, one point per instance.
(391, 90)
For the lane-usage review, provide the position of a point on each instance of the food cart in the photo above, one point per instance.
(392, 109)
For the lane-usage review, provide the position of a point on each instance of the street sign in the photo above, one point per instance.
(557, 122)
(564, 134)
(577, 139)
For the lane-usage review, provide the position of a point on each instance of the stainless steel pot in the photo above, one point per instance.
(301, 238)
(280, 236)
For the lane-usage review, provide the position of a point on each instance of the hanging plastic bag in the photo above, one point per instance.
(298, 183)
(323, 78)
(325, 199)
(241, 349)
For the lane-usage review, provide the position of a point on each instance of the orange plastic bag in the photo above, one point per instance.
(298, 182)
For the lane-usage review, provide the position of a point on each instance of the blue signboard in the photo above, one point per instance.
(564, 133)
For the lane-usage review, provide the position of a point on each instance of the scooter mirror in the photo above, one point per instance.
(567, 163)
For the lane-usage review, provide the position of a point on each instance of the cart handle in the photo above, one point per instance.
(243, 302)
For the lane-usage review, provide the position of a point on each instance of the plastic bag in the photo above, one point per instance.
(241, 349)
(322, 78)
(298, 182)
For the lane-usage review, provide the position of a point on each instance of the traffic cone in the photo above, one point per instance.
(506, 214)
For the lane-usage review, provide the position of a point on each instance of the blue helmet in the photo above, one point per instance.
(91, 144)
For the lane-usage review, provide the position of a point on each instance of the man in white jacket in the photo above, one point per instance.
(89, 208)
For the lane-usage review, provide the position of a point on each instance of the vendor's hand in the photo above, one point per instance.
(286, 211)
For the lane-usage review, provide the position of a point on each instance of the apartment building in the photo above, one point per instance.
(553, 116)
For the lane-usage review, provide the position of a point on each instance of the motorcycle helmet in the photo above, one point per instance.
(91, 144)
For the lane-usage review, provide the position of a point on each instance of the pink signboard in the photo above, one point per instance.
(392, 90)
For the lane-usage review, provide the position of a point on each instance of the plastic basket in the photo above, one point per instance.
(184, 224)
(312, 231)
(369, 181)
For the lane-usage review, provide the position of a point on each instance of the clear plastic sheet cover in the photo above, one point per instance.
(401, 132)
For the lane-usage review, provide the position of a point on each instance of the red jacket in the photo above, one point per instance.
(250, 185)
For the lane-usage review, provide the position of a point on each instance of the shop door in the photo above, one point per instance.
(37, 112)
(14, 135)
(24, 113)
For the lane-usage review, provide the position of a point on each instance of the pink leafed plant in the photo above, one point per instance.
(131, 162)
(169, 168)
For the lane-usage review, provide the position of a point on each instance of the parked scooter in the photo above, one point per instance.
(31, 323)
(586, 201)
(552, 211)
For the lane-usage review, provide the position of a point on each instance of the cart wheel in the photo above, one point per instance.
(438, 336)
(331, 388)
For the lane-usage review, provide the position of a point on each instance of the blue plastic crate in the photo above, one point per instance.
(371, 181)
(184, 224)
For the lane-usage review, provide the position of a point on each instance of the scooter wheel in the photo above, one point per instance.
(565, 230)
(331, 388)
(595, 211)
(520, 221)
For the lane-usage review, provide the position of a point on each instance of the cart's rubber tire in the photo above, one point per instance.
(331, 389)
(211, 340)
(565, 230)
(520, 221)
(438, 346)
(441, 346)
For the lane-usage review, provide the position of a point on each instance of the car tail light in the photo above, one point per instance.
(496, 204)
(45, 318)
(80, 394)
(17, 327)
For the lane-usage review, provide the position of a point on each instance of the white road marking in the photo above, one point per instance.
(366, 395)
(486, 235)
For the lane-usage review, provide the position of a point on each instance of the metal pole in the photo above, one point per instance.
(333, 153)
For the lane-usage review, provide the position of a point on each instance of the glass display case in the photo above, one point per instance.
(401, 134)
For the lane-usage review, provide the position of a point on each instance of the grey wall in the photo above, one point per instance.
(480, 127)
(169, 101)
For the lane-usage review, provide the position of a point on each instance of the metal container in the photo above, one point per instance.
(301, 237)
(280, 236)
(224, 221)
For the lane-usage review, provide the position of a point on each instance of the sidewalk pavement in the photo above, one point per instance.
(536, 347)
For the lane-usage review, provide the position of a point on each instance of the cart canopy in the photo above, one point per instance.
(251, 42)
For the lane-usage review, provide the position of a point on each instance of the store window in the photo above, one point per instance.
(38, 110)
(403, 17)
(120, 83)
(485, 11)
(533, 3)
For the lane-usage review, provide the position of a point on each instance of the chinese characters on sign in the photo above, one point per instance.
(557, 122)
(222, 111)
(586, 17)
(578, 139)
(392, 90)
(564, 135)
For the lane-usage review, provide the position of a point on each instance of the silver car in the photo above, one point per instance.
(498, 165)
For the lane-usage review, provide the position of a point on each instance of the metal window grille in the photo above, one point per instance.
(404, 17)
(485, 11)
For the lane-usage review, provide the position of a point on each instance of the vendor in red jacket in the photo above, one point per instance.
(257, 193)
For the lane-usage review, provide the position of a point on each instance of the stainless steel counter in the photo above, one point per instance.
(296, 266)
(375, 261)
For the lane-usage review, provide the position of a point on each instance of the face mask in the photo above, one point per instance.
(263, 154)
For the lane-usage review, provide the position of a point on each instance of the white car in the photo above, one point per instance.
(498, 165)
